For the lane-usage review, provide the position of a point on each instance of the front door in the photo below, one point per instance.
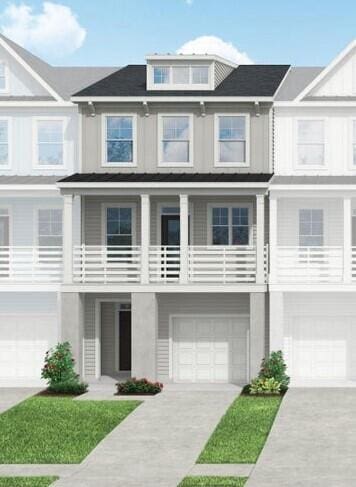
(124, 340)
(170, 241)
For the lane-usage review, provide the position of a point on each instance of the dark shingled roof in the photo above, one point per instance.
(245, 80)
(167, 178)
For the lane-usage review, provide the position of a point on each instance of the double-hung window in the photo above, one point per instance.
(49, 144)
(50, 227)
(175, 140)
(311, 142)
(231, 144)
(119, 226)
(311, 227)
(3, 77)
(4, 143)
(161, 75)
(230, 225)
(200, 75)
(119, 144)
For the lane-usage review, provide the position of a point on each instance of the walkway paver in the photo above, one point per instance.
(10, 396)
(157, 444)
(221, 470)
(312, 442)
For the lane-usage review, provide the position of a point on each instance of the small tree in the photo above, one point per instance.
(59, 365)
(275, 367)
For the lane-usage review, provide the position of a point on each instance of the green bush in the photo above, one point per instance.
(265, 386)
(275, 367)
(139, 386)
(69, 387)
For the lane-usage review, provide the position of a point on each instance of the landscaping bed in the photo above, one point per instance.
(57, 430)
(213, 482)
(26, 481)
(242, 431)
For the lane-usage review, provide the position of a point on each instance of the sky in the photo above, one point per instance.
(120, 32)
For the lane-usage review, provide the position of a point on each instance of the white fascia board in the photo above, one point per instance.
(39, 104)
(28, 187)
(181, 185)
(29, 287)
(326, 70)
(28, 68)
(190, 57)
(313, 187)
(321, 103)
(183, 99)
(165, 288)
(310, 288)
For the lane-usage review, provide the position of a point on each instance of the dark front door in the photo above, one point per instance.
(170, 240)
(170, 234)
(125, 340)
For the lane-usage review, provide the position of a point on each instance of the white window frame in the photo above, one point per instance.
(7, 83)
(52, 167)
(9, 143)
(229, 205)
(310, 167)
(298, 219)
(217, 163)
(104, 161)
(161, 163)
(104, 208)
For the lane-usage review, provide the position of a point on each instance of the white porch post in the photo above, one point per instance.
(184, 229)
(276, 321)
(145, 237)
(68, 238)
(347, 240)
(272, 239)
(260, 238)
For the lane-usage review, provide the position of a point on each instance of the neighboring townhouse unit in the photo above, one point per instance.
(313, 223)
(168, 280)
(39, 133)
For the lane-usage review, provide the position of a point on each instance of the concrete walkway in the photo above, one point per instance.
(312, 442)
(157, 444)
(10, 396)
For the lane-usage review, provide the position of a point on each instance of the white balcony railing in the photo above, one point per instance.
(30, 264)
(164, 263)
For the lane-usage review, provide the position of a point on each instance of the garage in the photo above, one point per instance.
(209, 349)
(321, 349)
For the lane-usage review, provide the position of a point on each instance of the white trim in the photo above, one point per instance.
(104, 161)
(160, 288)
(310, 167)
(151, 85)
(229, 205)
(161, 163)
(105, 206)
(162, 184)
(190, 57)
(246, 163)
(160, 206)
(10, 142)
(28, 68)
(175, 98)
(49, 118)
(34, 103)
(316, 103)
(5, 90)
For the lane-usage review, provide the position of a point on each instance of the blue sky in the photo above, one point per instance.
(118, 32)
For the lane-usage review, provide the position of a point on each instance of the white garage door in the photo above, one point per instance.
(24, 340)
(321, 349)
(210, 349)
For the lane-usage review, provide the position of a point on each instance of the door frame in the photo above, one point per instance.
(9, 210)
(172, 204)
(117, 335)
(204, 315)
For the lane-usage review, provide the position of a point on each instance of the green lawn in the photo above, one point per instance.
(57, 430)
(26, 481)
(213, 482)
(242, 432)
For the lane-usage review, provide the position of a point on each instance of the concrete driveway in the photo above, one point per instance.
(312, 442)
(10, 396)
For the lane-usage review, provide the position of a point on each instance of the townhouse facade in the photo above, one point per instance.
(177, 219)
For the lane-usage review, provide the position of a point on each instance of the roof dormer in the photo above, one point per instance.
(186, 71)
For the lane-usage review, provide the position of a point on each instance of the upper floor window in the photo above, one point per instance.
(181, 75)
(119, 140)
(161, 74)
(3, 77)
(49, 142)
(311, 142)
(175, 140)
(231, 145)
(4, 142)
(311, 228)
(49, 227)
(230, 226)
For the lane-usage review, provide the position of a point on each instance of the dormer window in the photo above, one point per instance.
(3, 77)
(161, 75)
(200, 75)
(181, 76)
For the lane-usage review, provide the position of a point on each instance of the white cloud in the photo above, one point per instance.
(53, 31)
(215, 45)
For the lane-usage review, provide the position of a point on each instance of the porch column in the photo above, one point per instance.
(184, 231)
(347, 251)
(257, 331)
(72, 326)
(276, 321)
(144, 335)
(260, 238)
(272, 239)
(145, 237)
(68, 238)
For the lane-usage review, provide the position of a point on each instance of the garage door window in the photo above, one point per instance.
(230, 226)
(311, 228)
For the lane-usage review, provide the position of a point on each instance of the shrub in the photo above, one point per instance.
(139, 386)
(275, 367)
(265, 386)
(69, 387)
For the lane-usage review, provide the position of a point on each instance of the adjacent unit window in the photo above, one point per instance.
(49, 227)
(232, 140)
(119, 139)
(119, 226)
(4, 142)
(311, 228)
(3, 77)
(311, 142)
(175, 140)
(354, 142)
(49, 144)
(230, 226)
(200, 75)
(161, 75)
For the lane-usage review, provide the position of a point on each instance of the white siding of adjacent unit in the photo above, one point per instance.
(340, 81)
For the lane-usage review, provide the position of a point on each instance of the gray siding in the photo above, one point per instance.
(221, 72)
(108, 338)
(169, 304)
(203, 137)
